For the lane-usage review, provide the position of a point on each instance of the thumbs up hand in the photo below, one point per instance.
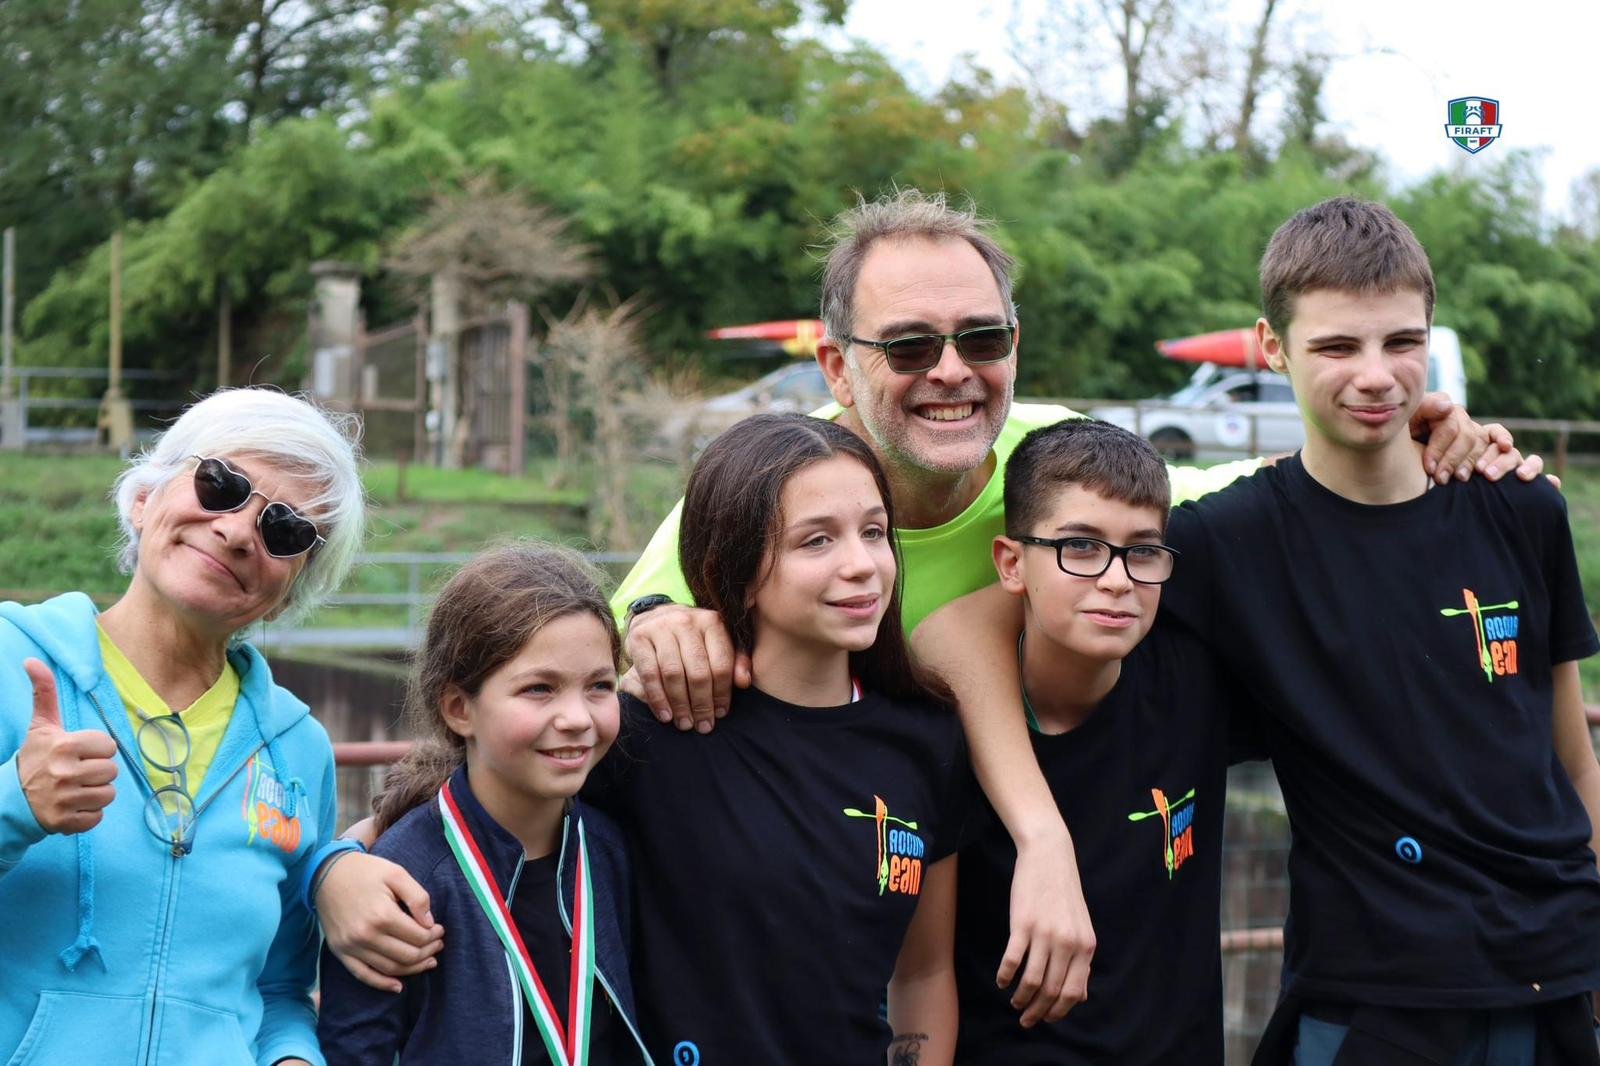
(66, 777)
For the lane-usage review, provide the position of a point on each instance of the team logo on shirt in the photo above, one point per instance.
(900, 850)
(1177, 821)
(267, 806)
(1496, 634)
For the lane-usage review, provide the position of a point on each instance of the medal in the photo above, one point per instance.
(568, 1045)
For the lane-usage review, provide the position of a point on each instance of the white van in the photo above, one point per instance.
(1228, 407)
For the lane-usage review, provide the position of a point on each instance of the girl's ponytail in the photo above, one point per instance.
(415, 780)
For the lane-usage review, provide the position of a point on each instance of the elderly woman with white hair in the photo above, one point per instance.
(160, 802)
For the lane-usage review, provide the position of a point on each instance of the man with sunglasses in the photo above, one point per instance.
(920, 351)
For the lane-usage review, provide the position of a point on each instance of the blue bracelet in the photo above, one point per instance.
(320, 864)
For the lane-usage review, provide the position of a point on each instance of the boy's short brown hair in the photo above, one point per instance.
(1103, 458)
(1346, 245)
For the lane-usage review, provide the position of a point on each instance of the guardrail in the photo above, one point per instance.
(29, 398)
(414, 599)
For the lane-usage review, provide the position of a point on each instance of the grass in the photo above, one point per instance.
(58, 528)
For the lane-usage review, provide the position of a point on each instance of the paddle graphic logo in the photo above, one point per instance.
(269, 813)
(900, 849)
(1177, 824)
(1474, 122)
(1496, 634)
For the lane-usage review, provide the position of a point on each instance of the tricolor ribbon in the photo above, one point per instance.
(566, 1045)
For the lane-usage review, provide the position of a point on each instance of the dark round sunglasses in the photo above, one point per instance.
(285, 533)
(921, 353)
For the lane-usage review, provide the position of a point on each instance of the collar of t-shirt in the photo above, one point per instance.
(206, 718)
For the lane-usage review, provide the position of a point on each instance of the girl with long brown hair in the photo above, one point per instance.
(513, 700)
(798, 860)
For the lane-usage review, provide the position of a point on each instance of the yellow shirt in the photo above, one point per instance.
(206, 718)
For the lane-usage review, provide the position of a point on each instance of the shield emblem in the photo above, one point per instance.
(1474, 122)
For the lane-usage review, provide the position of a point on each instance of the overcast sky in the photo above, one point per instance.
(1400, 61)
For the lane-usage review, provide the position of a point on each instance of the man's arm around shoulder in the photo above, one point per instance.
(972, 642)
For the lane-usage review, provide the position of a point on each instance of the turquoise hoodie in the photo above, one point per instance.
(114, 949)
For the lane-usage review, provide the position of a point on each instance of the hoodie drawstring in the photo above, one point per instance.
(293, 787)
(86, 943)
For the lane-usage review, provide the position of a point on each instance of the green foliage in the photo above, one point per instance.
(113, 110)
(1521, 299)
(697, 147)
(295, 196)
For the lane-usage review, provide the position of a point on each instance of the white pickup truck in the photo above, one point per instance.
(1230, 407)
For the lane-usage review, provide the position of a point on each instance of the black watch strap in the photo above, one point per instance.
(647, 603)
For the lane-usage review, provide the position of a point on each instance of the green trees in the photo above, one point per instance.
(695, 149)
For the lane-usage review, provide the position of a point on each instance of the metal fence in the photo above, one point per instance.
(402, 585)
(59, 404)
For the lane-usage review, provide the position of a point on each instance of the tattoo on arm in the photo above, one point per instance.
(906, 1049)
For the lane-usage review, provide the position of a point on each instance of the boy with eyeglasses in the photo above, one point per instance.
(1412, 650)
(1130, 722)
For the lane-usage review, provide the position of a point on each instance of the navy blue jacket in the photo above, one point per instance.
(469, 1008)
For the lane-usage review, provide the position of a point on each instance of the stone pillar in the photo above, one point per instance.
(444, 371)
(335, 323)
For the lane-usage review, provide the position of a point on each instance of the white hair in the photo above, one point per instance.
(291, 434)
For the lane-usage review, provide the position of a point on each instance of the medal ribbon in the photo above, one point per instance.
(569, 1045)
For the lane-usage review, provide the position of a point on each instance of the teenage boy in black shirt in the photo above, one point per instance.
(1418, 653)
(1131, 732)
(1414, 654)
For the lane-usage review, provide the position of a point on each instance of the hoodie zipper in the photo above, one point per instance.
(175, 853)
(599, 972)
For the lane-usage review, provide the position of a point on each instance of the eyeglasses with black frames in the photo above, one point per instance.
(1148, 564)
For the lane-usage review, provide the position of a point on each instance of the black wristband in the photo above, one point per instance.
(647, 603)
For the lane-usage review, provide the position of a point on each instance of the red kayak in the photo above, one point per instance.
(1229, 347)
(798, 336)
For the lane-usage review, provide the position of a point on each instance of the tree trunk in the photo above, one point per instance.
(1253, 74)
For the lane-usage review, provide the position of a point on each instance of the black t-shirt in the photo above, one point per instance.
(1141, 782)
(1401, 656)
(778, 863)
(533, 908)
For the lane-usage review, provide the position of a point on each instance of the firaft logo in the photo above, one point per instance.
(1474, 122)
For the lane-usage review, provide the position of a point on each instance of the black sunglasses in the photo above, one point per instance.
(221, 489)
(921, 353)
